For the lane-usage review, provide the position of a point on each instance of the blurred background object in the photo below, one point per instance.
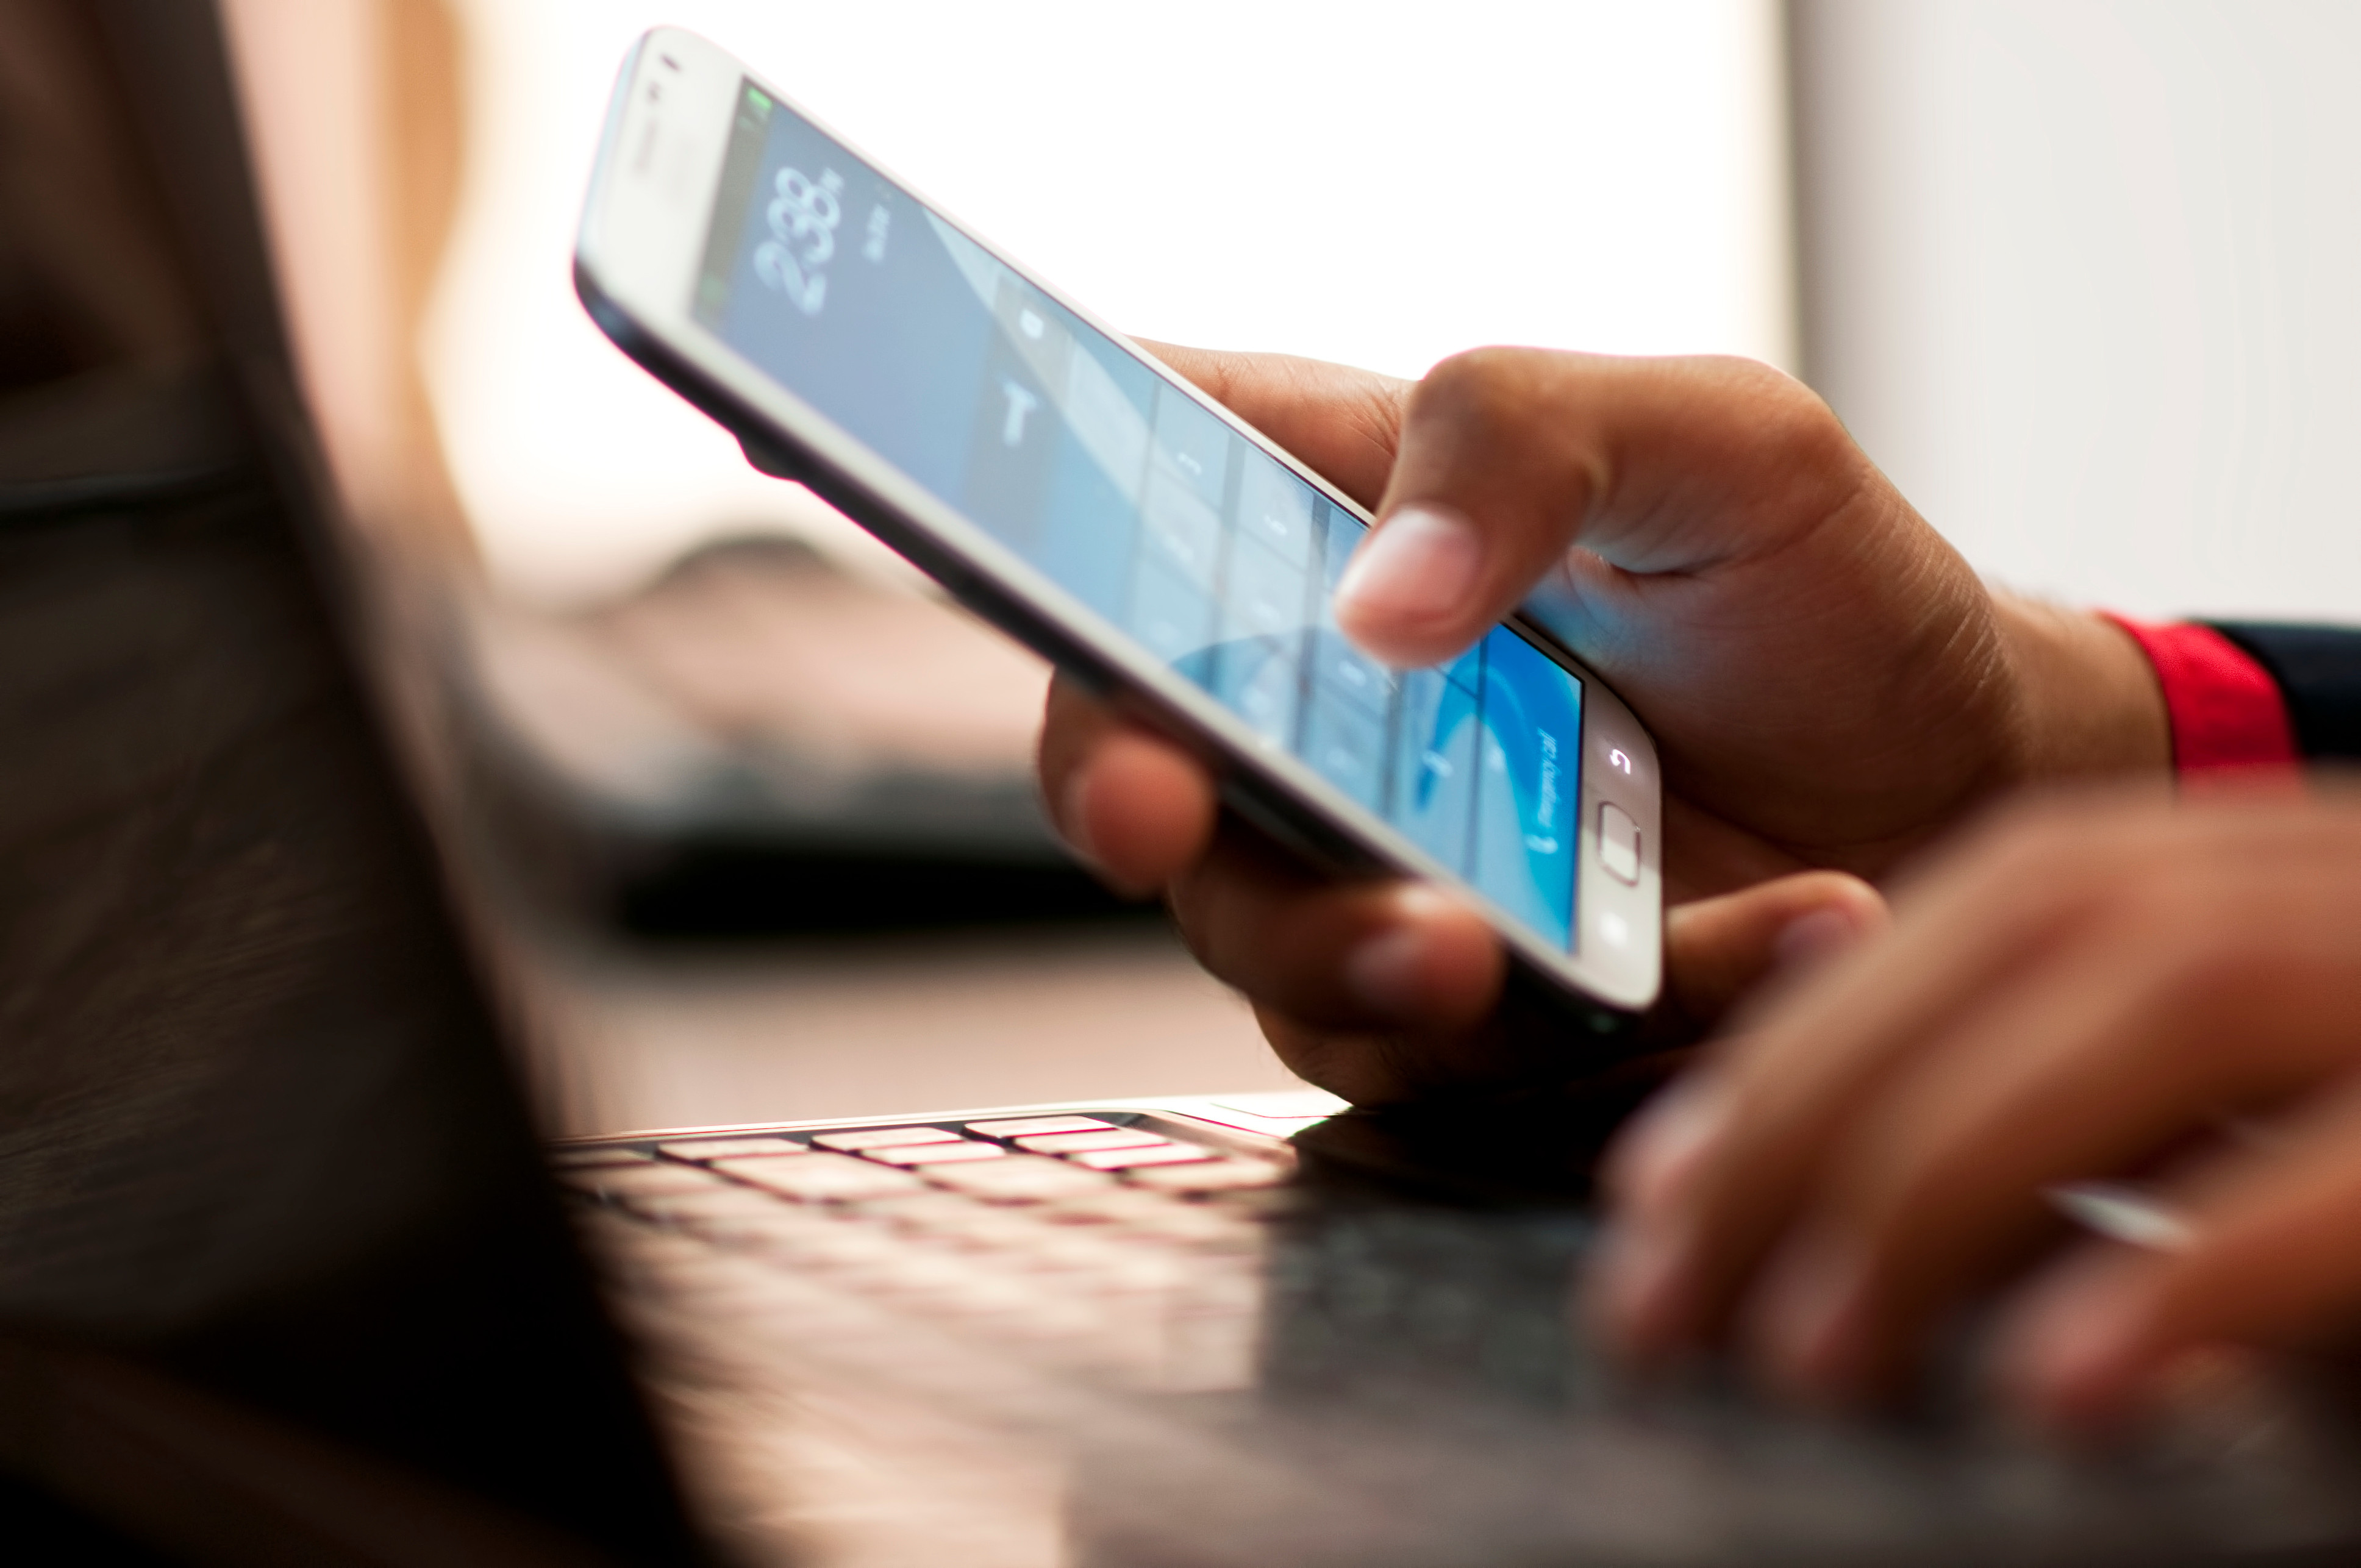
(103, 365)
(758, 740)
(2079, 274)
(87, 281)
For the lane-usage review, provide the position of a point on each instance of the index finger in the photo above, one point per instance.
(1749, 1134)
(1344, 422)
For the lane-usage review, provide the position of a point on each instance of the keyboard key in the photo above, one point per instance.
(824, 1243)
(1073, 1248)
(729, 1148)
(1214, 1176)
(914, 1273)
(885, 1137)
(724, 1212)
(936, 1154)
(1154, 1215)
(1170, 1220)
(578, 1157)
(1019, 1178)
(1077, 1143)
(1031, 1126)
(614, 1182)
(821, 1179)
(1127, 1159)
(954, 1217)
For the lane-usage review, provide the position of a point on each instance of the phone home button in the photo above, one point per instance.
(1619, 843)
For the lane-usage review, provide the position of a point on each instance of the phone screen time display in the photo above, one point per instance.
(1130, 496)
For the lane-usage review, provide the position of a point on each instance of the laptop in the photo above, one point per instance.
(287, 1276)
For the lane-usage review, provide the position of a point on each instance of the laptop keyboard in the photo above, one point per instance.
(1115, 1244)
(1382, 1340)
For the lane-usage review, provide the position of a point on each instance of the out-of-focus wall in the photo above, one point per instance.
(2085, 276)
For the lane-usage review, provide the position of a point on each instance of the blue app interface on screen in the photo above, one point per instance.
(1133, 498)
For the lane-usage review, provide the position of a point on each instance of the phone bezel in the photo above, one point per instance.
(636, 263)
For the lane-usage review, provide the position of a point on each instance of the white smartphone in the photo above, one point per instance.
(1059, 480)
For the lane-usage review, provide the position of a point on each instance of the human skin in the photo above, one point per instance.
(2081, 982)
(1829, 688)
(2086, 986)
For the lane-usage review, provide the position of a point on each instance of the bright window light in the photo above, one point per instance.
(1382, 184)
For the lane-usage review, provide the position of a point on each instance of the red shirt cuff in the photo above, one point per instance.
(2225, 708)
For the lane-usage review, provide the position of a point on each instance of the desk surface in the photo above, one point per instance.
(633, 1037)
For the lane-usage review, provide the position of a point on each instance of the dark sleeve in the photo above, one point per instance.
(2318, 669)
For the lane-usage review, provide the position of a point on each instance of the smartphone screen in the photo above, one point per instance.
(1125, 492)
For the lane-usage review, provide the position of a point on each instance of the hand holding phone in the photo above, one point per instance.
(1071, 488)
(1830, 684)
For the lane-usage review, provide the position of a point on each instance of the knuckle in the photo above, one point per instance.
(1758, 380)
(2203, 980)
(1799, 424)
(1490, 389)
(1786, 414)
